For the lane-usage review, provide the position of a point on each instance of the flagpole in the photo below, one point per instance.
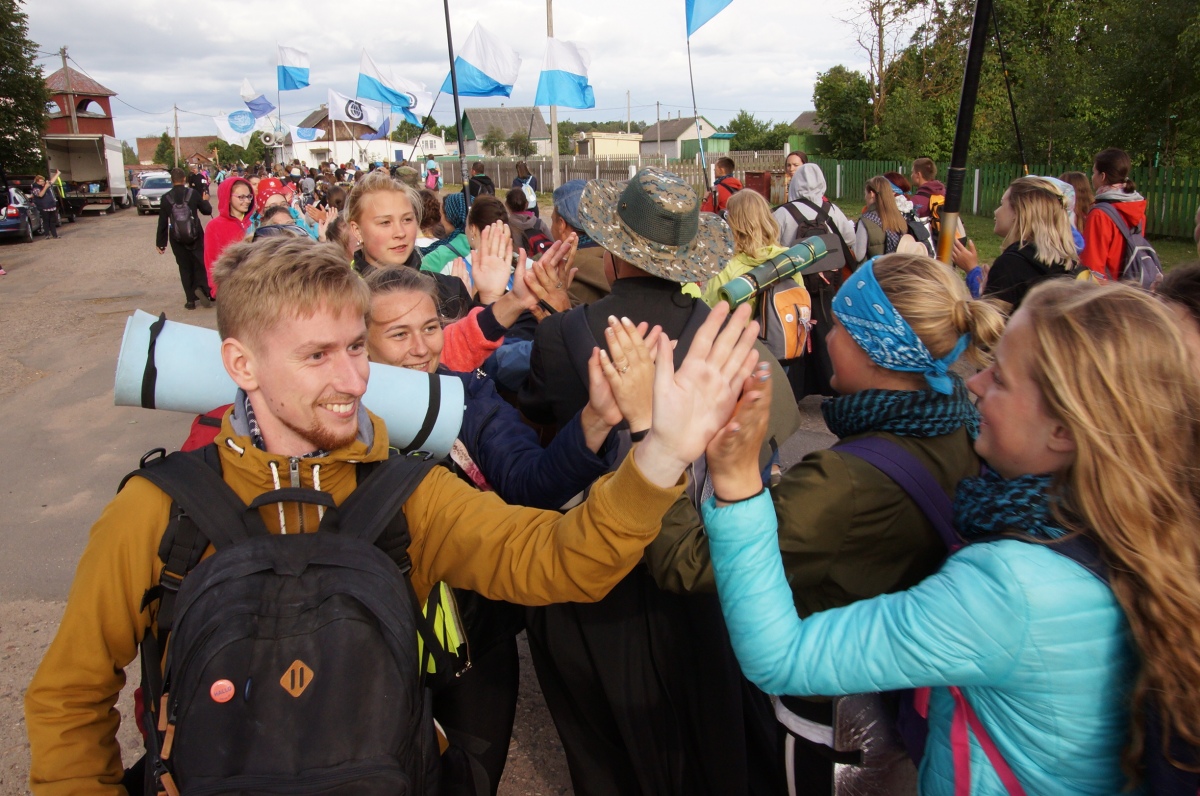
(699, 138)
(333, 127)
(428, 116)
(555, 181)
(462, 152)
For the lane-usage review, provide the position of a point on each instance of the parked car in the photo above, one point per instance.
(150, 196)
(21, 217)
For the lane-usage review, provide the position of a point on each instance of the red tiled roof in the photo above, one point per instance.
(80, 84)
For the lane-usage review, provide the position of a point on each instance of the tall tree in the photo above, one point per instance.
(842, 98)
(128, 154)
(493, 141)
(880, 26)
(23, 93)
(164, 153)
(520, 146)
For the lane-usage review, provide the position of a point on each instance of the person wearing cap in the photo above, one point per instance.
(642, 686)
(273, 191)
(590, 282)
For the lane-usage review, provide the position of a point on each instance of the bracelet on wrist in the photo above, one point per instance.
(739, 500)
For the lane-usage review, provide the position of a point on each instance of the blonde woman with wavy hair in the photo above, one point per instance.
(1033, 220)
(1065, 632)
(755, 240)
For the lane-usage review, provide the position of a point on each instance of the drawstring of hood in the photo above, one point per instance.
(275, 479)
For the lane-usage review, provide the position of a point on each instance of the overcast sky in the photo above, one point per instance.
(761, 55)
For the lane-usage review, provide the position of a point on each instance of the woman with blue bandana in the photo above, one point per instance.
(847, 531)
(1056, 647)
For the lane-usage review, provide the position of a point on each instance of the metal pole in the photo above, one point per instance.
(1012, 105)
(333, 127)
(70, 93)
(176, 109)
(553, 109)
(658, 127)
(628, 113)
(957, 175)
(462, 150)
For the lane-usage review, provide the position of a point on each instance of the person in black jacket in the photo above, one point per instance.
(1032, 218)
(642, 685)
(480, 184)
(187, 238)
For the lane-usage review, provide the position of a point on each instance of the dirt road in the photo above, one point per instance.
(64, 448)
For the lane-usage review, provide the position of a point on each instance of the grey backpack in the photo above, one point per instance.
(1141, 266)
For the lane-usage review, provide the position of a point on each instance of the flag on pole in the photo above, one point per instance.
(564, 77)
(258, 104)
(293, 68)
(236, 127)
(405, 96)
(347, 109)
(308, 133)
(379, 134)
(701, 11)
(485, 67)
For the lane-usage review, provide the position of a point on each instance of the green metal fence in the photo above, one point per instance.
(1172, 193)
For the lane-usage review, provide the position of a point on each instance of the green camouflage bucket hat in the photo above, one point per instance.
(654, 223)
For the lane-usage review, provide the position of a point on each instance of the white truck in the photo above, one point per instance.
(92, 170)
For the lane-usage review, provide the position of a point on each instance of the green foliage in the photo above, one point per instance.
(750, 133)
(520, 146)
(405, 131)
(228, 153)
(128, 154)
(23, 94)
(164, 153)
(842, 98)
(493, 142)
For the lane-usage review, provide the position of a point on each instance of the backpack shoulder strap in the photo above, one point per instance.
(913, 477)
(1118, 220)
(795, 213)
(823, 214)
(578, 339)
(375, 504)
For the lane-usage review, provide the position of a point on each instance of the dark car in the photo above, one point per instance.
(21, 217)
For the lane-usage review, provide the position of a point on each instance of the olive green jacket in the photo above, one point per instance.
(847, 531)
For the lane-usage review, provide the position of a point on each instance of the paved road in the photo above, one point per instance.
(64, 448)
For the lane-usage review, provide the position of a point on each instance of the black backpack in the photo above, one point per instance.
(819, 227)
(1140, 265)
(185, 227)
(293, 663)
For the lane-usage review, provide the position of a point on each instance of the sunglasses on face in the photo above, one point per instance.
(278, 230)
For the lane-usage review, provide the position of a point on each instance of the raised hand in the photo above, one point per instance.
(491, 264)
(629, 369)
(733, 453)
(553, 274)
(693, 404)
(458, 268)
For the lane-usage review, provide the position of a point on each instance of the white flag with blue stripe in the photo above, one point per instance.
(564, 78)
(258, 103)
(293, 69)
(485, 67)
(236, 127)
(405, 96)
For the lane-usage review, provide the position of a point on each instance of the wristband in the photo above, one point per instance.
(742, 500)
(545, 306)
(638, 436)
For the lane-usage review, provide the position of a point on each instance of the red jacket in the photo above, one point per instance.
(725, 187)
(1104, 248)
(224, 229)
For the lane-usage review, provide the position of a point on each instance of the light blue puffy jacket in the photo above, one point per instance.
(1038, 645)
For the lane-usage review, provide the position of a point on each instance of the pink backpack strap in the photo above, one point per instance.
(960, 745)
(921, 701)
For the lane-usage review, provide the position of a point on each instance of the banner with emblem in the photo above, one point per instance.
(347, 109)
(236, 127)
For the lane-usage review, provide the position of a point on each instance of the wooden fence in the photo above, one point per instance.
(1172, 193)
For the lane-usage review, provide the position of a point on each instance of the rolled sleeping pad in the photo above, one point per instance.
(176, 366)
(795, 260)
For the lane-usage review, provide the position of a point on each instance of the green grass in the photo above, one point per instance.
(1172, 251)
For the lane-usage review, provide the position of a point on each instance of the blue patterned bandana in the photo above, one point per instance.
(454, 207)
(864, 309)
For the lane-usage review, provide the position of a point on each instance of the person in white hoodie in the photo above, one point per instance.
(810, 374)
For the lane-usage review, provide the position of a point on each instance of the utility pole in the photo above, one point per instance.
(628, 111)
(557, 180)
(176, 109)
(658, 128)
(70, 94)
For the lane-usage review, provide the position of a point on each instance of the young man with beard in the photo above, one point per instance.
(291, 320)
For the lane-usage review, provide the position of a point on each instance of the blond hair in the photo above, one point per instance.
(1113, 367)
(885, 205)
(1040, 217)
(265, 281)
(935, 302)
(754, 228)
(380, 182)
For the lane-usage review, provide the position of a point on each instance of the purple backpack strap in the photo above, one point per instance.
(913, 477)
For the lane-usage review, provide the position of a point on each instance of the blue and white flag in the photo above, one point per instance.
(236, 127)
(347, 109)
(258, 103)
(701, 11)
(406, 97)
(485, 67)
(293, 68)
(307, 133)
(381, 133)
(564, 77)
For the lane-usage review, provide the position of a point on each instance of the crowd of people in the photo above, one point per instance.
(988, 585)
